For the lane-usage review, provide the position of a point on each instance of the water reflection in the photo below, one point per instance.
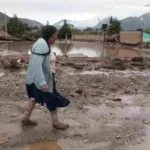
(44, 146)
(80, 49)
(85, 51)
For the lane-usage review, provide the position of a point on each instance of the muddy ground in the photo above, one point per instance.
(109, 110)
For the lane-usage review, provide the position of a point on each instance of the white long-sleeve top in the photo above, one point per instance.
(53, 62)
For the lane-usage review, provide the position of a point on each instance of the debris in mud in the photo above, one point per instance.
(119, 65)
(73, 94)
(138, 64)
(3, 140)
(2, 74)
(86, 140)
(79, 91)
(79, 66)
(117, 99)
(145, 122)
(118, 137)
(12, 63)
(117, 59)
(137, 59)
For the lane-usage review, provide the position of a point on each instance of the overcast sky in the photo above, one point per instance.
(55, 10)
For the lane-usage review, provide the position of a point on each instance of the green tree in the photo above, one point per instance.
(111, 20)
(115, 27)
(33, 34)
(139, 29)
(17, 28)
(65, 31)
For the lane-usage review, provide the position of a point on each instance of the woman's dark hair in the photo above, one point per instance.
(48, 31)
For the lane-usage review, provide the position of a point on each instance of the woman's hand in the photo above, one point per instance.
(44, 88)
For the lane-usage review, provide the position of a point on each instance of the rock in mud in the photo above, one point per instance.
(118, 137)
(79, 66)
(79, 91)
(119, 65)
(13, 61)
(86, 140)
(117, 99)
(137, 59)
(145, 122)
(138, 64)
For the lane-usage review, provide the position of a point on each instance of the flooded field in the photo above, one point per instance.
(80, 49)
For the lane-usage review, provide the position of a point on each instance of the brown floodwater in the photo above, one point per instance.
(78, 49)
(41, 146)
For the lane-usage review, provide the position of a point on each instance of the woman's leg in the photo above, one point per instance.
(55, 121)
(26, 118)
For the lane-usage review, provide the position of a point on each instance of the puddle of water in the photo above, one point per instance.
(41, 146)
(130, 99)
(126, 73)
(22, 148)
(6, 52)
(117, 111)
(85, 51)
(114, 124)
(145, 144)
(90, 73)
(127, 99)
(44, 146)
(78, 49)
(72, 144)
(7, 131)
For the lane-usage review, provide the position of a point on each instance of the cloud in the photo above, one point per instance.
(43, 10)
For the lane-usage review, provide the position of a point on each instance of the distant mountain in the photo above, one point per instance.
(131, 23)
(77, 24)
(104, 21)
(59, 24)
(2, 18)
(146, 19)
(30, 23)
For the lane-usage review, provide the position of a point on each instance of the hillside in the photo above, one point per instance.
(2, 18)
(131, 23)
(31, 23)
(77, 24)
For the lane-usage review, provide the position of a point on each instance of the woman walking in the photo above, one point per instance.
(39, 80)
